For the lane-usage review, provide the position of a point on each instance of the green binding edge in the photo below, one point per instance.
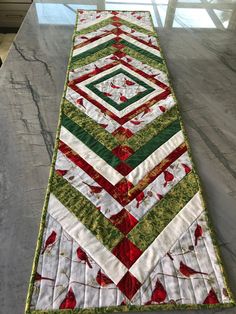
(123, 308)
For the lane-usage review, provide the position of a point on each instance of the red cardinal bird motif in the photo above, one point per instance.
(98, 16)
(38, 277)
(95, 71)
(123, 98)
(159, 293)
(114, 86)
(159, 196)
(135, 122)
(139, 17)
(83, 256)
(114, 58)
(61, 172)
(168, 177)
(129, 83)
(146, 110)
(162, 108)
(50, 240)
(80, 102)
(211, 298)
(83, 37)
(197, 233)
(187, 169)
(107, 94)
(102, 279)
(188, 271)
(103, 125)
(69, 302)
(139, 199)
(128, 59)
(94, 189)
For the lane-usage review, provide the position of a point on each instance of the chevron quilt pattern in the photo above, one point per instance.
(124, 225)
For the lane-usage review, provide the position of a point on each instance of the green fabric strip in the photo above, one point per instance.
(89, 125)
(93, 58)
(142, 51)
(142, 308)
(107, 139)
(147, 149)
(138, 28)
(93, 28)
(89, 141)
(144, 59)
(152, 129)
(163, 212)
(121, 106)
(86, 212)
(93, 50)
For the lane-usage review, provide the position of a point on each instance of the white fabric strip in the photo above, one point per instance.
(93, 159)
(171, 233)
(93, 22)
(134, 21)
(156, 157)
(93, 44)
(102, 256)
(138, 44)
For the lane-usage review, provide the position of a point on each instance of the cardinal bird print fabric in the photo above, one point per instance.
(124, 226)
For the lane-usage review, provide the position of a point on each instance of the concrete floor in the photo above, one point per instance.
(202, 64)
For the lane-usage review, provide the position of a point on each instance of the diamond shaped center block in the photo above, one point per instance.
(120, 88)
(126, 252)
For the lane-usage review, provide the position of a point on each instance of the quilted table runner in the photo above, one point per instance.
(124, 226)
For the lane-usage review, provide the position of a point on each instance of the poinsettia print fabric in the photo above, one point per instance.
(124, 225)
